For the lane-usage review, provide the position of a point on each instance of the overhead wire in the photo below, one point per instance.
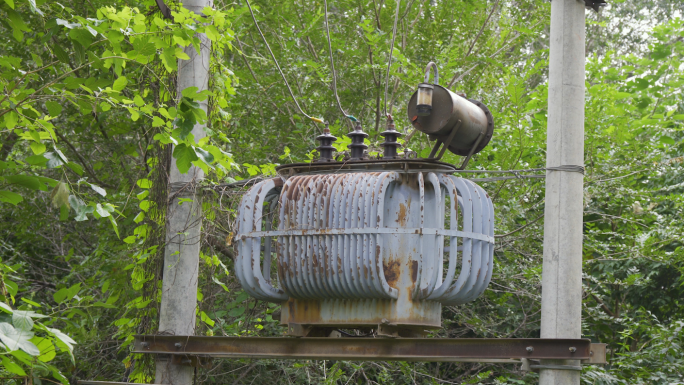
(389, 62)
(317, 120)
(332, 67)
(517, 173)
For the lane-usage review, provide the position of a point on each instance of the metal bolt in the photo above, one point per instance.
(178, 345)
(529, 349)
(573, 349)
(385, 321)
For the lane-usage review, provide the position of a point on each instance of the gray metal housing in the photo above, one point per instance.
(365, 248)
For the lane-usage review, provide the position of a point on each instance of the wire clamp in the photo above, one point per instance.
(568, 168)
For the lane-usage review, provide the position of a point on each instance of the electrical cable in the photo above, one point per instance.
(317, 120)
(332, 66)
(389, 62)
(516, 173)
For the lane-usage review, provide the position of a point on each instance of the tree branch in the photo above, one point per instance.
(89, 170)
(7, 145)
(470, 49)
(164, 9)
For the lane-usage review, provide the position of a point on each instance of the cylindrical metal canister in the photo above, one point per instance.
(447, 110)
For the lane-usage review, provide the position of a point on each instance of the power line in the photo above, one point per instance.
(318, 120)
(332, 67)
(389, 62)
(517, 173)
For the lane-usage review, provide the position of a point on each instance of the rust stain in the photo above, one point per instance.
(414, 271)
(402, 217)
(392, 270)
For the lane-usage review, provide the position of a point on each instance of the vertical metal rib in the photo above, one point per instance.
(382, 192)
(454, 292)
(421, 238)
(450, 189)
(337, 255)
(433, 244)
(249, 259)
(356, 249)
(268, 226)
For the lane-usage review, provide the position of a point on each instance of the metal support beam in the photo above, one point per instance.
(375, 349)
(561, 308)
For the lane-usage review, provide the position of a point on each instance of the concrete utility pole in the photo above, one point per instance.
(183, 224)
(562, 269)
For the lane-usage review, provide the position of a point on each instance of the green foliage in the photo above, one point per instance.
(90, 110)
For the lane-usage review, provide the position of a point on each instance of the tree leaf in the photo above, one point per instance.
(66, 294)
(120, 83)
(82, 36)
(184, 157)
(181, 54)
(37, 160)
(54, 108)
(17, 339)
(67, 24)
(10, 197)
(60, 53)
(205, 318)
(11, 119)
(63, 341)
(12, 366)
(10, 3)
(60, 295)
(60, 195)
(34, 7)
(189, 92)
(76, 168)
(21, 320)
(6, 307)
(80, 208)
(144, 183)
(27, 181)
(47, 349)
(207, 157)
(98, 189)
(101, 211)
(53, 160)
(37, 148)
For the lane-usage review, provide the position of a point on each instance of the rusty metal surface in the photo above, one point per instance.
(248, 260)
(345, 239)
(598, 354)
(447, 109)
(368, 349)
(361, 313)
(372, 165)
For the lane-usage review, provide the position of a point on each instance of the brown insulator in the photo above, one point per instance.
(326, 149)
(390, 145)
(357, 147)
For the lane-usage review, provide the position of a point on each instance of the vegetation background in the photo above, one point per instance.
(89, 109)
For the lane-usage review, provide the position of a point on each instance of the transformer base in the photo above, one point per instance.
(388, 317)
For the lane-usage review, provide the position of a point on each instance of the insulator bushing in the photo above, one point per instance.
(325, 149)
(390, 145)
(357, 147)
